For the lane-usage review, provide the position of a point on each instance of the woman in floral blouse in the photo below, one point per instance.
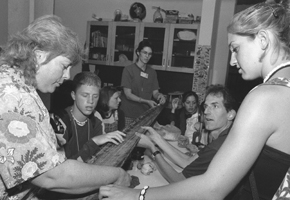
(40, 58)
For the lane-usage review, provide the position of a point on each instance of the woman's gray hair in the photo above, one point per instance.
(47, 34)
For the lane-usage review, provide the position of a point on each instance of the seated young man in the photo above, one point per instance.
(79, 128)
(219, 114)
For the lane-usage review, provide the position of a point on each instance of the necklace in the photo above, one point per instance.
(77, 135)
(77, 121)
(273, 71)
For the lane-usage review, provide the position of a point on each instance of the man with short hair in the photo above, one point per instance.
(219, 114)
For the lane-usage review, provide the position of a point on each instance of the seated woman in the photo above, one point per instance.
(108, 107)
(187, 117)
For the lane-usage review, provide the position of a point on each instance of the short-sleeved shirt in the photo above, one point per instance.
(205, 156)
(142, 84)
(27, 140)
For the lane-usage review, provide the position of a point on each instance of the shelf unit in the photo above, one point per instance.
(114, 43)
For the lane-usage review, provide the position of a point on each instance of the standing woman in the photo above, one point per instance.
(140, 85)
(108, 107)
(258, 142)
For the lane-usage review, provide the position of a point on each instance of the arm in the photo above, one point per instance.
(253, 127)
(172, 115)
(159, 97)
(115, 137)
(133, 97)
(167, 171)
(178, 157)
(75, 177)
(92, 146)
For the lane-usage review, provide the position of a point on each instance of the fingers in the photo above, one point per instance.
(117, 135)
(154, 103)
(148, 128)
(104, 191)
(138, 134)
(121, 133)
(162, 99)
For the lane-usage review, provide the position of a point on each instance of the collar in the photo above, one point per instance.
(273, 71)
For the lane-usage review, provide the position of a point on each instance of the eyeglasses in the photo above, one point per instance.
(147, 53)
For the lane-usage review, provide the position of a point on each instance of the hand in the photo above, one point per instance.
(114, 192)
(115, 137)
(151, 103)
(152, 134)
(145, 141)
(174, 104)
(124, 178)
(161, 99)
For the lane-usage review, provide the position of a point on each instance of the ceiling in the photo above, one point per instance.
(241, 2)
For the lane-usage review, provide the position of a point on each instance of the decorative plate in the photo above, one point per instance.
(137, 11)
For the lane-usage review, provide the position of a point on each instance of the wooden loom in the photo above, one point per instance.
(115, 155)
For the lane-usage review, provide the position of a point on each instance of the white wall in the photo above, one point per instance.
(76, 13)
(3, 21)
(220, 49)
(18, 15)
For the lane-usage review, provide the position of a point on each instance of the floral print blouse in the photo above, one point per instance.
(27, 140)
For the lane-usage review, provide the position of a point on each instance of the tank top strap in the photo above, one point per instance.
(276, 81)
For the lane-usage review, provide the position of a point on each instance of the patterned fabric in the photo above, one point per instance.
(111, 124)
(128, 121)
(111, 127)
(284, 190)
(27, 140)
(190, 127)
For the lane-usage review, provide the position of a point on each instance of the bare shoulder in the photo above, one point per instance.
(268, 104)
(268, 95)
(271, 106)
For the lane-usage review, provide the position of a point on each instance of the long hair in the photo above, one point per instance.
(45, 34)
(103, 104)
(265, 16)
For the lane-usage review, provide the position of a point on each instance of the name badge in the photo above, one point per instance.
(144, 75)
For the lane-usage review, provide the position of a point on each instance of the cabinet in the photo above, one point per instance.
(114, 43)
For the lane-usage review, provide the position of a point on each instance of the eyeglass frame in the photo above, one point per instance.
(146, 53)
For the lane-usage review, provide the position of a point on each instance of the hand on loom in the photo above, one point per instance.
(115, 137)
(145, 142)
(161, 99)
(151, 103)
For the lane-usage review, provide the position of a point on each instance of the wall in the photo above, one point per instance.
(18, 15)
(3, 21)
(220, 51)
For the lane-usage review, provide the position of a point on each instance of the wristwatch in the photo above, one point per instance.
(155, 153)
